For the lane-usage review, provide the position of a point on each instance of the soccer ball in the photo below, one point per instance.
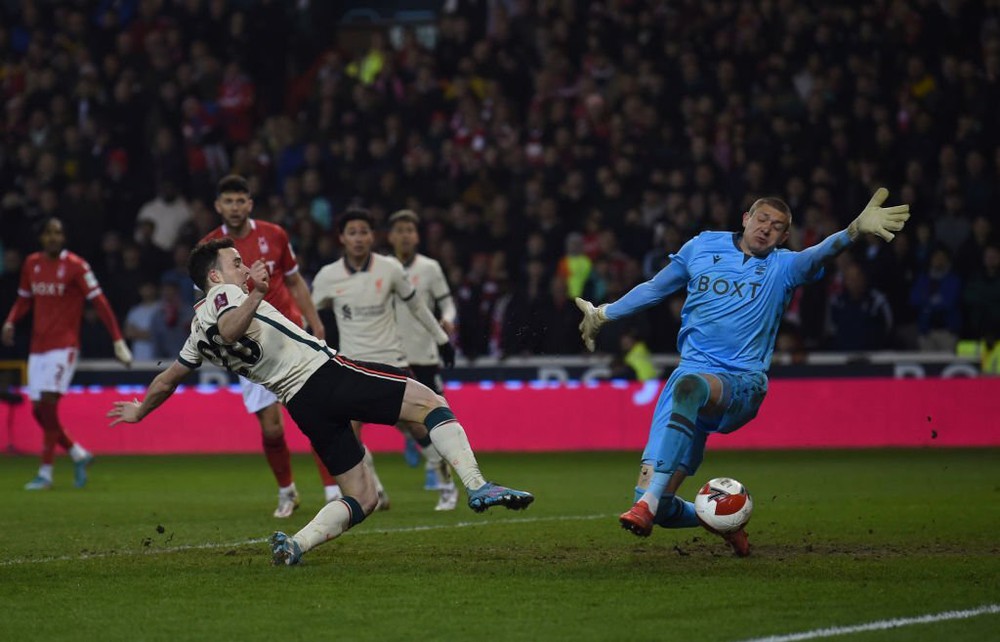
(723, 505)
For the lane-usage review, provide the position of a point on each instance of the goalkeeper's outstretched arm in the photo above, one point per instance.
(667, 281)
(874, 219)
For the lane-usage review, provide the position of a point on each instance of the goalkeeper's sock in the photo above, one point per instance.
(450, 439)
(330, 522)
(279, 459)
(674, 512)
(691, 393)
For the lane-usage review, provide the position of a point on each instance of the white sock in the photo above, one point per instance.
(651, 500)
(78, 452)
(332, 493)
(453, 444)
(332, 520)
(287, 490)
(45, 471)
(370, 462)
(432, 456)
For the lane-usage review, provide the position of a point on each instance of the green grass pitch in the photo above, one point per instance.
(840, 538)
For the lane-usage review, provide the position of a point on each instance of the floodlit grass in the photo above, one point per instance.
(840, 538)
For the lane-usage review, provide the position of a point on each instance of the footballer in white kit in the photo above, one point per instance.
(427, 277)
(364, 288)
(236, 329)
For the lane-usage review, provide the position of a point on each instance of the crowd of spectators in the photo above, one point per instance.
(553, 148)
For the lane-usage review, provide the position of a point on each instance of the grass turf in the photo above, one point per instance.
(172, 548)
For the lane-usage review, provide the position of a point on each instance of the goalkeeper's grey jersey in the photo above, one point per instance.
(426, 276)
(362, 302)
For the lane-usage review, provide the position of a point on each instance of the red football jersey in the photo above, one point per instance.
(58, 289)
(268, 243)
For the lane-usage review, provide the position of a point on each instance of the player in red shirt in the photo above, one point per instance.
(56, 283)
(289, 293)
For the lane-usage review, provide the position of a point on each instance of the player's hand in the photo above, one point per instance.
(318, 331)
(593, 319)
(260, 276)
(122, 353)
(125, 412)
(8, 334)
(447, 352)
(878, 220)
(448, 327)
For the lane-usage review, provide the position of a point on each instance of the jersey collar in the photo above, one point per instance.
(367, 266)
(253, 226)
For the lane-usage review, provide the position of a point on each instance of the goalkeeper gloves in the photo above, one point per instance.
(122, 353)
(593, 319)
(878, 220)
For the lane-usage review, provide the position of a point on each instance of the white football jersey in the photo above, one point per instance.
(274, 352)
(362, 302)
(426, 276)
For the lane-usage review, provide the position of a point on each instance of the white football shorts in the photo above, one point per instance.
(50, 371)
(255, 396)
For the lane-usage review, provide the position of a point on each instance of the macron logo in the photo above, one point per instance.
(716, 258)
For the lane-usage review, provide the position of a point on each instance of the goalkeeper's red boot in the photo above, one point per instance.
(638, 519)
(739, 542)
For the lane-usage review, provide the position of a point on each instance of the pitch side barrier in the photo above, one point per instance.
(551, 404)
(893, 365)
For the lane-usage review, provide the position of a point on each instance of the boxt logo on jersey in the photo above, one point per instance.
(726, 287)
(41, 288)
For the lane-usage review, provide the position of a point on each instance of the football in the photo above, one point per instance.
(723, 505)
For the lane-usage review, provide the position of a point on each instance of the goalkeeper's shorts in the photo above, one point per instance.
(742, 395)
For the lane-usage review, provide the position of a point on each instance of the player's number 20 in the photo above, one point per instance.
(246, 350)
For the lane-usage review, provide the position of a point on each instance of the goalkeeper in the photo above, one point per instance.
(738, 285)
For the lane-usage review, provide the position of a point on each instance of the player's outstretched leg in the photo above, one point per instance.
(449, 437)
(284, 550)
(332, 520)
(689, 394)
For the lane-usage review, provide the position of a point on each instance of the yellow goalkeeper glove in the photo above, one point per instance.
(593, 319)
(878, 220)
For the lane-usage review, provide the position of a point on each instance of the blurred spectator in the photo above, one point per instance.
(860, 318)
(178, 276)
(638, 120)
(982, 298)
(94, 342)
(172, 320)
(633, 361)
(936, 297)
(575, 266)
(168, 213)
(970, 256)
(559, 318)
(139, 323)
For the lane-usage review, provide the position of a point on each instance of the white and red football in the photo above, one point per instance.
(723, 505)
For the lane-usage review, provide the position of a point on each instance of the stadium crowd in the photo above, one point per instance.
(553, 149)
